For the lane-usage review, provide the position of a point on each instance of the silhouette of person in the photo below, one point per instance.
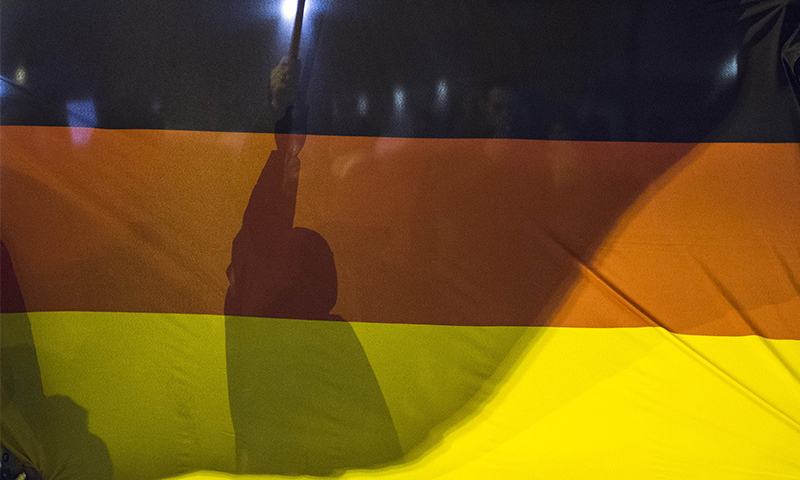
(47, 435)
(303, 396)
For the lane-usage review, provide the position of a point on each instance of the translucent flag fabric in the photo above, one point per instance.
(519, 240)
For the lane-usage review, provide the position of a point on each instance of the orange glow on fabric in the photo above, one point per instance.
(604, 224)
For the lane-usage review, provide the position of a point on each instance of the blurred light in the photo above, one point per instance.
(5, 88)
(289, 9)
(399, 98)
(730, 70)
(81, 117)
(20, 76)
(362, 105)
(441, 93)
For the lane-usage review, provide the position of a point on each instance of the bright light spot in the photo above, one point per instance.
(399, 98)
(730, 70)
(81, 117)
(82, 113)
(362, 105)
(441, 93)
(20, 76)
(289, 9)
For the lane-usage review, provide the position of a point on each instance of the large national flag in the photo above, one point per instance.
(521, 240)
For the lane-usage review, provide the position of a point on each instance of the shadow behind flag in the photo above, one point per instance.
(303, 396)
(49, 433)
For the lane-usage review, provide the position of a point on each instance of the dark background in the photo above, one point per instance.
(570, 69)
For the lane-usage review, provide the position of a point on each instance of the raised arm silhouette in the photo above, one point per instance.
(303, 396)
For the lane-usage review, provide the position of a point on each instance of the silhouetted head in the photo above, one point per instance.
(313, 289)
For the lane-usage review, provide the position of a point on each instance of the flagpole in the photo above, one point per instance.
(294, 46)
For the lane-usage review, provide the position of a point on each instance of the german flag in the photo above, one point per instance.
(491, 240)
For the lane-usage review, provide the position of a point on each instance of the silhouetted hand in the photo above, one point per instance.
(284, 87)
(284, 84)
